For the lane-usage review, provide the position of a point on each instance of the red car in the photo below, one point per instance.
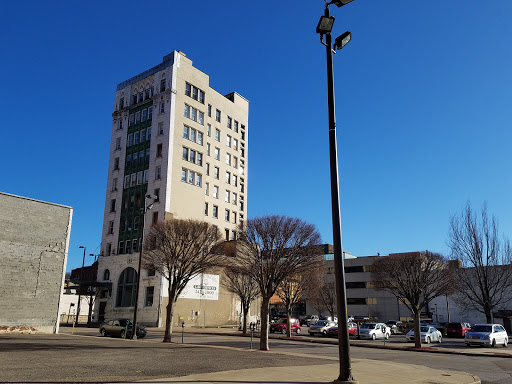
(457, 329)
(352, 330)
(282, 324)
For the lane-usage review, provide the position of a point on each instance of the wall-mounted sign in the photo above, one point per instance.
(205, 287)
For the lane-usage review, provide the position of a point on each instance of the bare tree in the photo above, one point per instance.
(292, 290)
(415, 278)
(328, 297)
(242, 285)
(485, 275)
(272, 249)
(180, 250)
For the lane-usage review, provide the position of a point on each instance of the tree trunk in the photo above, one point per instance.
(488, 316)
(170, 312)
(417, 335)
(264, 324)
(289, 322)
(245, 309)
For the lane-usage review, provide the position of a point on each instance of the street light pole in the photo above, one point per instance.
(80, 286)
(137, 286)
(324, 28)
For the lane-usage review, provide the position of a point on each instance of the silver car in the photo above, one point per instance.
(374, 331)
(487, 335)
(427, 334)
(321, 327)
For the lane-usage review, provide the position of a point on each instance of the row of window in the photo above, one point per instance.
(137, 158)
(230, 159)
(229, 216)
(194, 93)
(191, 177)
(192, 156)
(126, 289)
(139, 137)
(139, 178)
(194, 114)
(193, 135)
(140, 116)
(229, 196)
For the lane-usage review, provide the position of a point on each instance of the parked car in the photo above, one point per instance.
(428, 334)
(487, 335)
(321, 327)
(308, 320)
(374, 331)
(282, 324)
(122, 328)
(328, 318)
(457, 329)
(393, 325)
(333, 331)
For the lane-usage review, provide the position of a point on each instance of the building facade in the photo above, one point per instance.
(34, 238)
(176, 138)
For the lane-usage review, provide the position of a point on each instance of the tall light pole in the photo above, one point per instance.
(143, 211)
(324, 28)
(80, 286)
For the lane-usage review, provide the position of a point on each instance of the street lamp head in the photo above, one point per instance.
(340, 3)
(342, 40)
(150, 206)
(325, 24)
(151, 197)
(81, 247)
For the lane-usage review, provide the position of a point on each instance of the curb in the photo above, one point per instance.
(356, 344)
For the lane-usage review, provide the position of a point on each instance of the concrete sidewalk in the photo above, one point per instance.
(365, 372)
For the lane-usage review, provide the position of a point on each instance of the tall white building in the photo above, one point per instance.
(178, 139)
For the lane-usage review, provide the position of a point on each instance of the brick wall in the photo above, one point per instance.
(34, 239)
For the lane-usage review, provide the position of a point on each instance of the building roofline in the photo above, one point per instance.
(36, 200)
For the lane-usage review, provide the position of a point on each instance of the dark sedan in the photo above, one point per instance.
(121, 328)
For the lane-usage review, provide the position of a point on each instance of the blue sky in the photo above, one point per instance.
(423, 95)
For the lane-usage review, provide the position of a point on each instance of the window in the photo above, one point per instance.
(159, 150)
(235, 162)
(235, 128)
(143, 136)
(229, 122)
(199, 179)
(146, 176)
(209, 130)
(217, 134)
(139, 178)
(194, 93)
(188, 89)
(194, 114)
(227, 197)
(121, 102)
(162, 85)
(162, 107)
(207, 169)
(206, 209)
(199, 159)
(155, 217)
(106, 273)
(228, 159)
(158, 173)
(141, 96)
(206, 189)
(201, 97)
(160, 128)
(113, 205)
(233, 217)
(156, 192)
(116, 163)
(199, 138)
(150, 291)
(151, 272)
(118, 143)
(226, 231)
(111, 227)
(235, 179)
(226, 214)
(137, 117)
(121, 124)
(126, 288)
(144, 114)
(134, 99)
(147, 94)
(235, 144)
(215, 212)
(135, 245)
(132, 120)
(234, 198)
(134, 179)
(150, 113)
(216, 172)
(215, 192)
(114, 184)
(242, 132)
(136, 136)
(186, 131)
(149, 133)
(130, 140)
(228, 140)
(121, 248)
(228, 177)
(216, 153)
(217, 115)
(208, 149)
(127, 181)
(184, 155)
(184, 175)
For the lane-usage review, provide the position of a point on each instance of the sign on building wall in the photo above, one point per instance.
(203, 286)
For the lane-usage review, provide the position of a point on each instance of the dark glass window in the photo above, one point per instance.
(126, 288)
